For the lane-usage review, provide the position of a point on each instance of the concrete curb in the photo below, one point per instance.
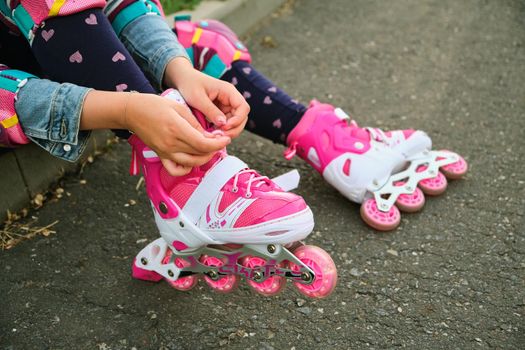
(29, 170)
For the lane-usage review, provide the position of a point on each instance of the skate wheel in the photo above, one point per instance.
(323, 267)
(455, 170)
(381, 221)
(224, 284)
(182, 283)
(434, 186)
(270, 286)
(411, 203)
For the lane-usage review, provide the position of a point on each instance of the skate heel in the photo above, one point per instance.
(144, 275)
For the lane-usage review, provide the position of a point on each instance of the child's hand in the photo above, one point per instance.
(218, 100)
(172, 132)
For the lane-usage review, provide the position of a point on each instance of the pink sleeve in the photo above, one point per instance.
(11, 134)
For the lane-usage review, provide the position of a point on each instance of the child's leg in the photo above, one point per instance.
(362, 163)
(273, 113)
(83, 49)
(15, 51)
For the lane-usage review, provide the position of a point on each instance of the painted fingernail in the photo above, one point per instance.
(221, 120)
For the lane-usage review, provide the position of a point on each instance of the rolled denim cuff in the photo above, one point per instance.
(153, 45)
(49, 114)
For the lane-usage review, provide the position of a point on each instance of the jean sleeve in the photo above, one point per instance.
(49, 114)
(146, 35)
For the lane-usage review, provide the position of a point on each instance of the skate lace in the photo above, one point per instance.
(254, 179)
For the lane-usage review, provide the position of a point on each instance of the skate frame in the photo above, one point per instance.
(387, 194)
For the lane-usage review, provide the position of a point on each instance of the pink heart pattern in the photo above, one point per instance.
(47, 34)
(76, 57)
(267, 100)
(91, 20)
(277, 124)
(234, 81)
(121, 87)
(247, 70)
(246, 94)
(118, 56)
(273, 89)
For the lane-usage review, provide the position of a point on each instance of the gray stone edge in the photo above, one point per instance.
(29, 170)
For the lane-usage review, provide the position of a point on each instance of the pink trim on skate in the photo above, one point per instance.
(346, 167)
(406, 133)
(142, 274)
(179, 245)
(151, 172)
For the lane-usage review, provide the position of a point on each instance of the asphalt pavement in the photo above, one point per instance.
(450, 277)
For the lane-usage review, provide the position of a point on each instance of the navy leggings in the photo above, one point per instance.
(83, 49)
(273, 113)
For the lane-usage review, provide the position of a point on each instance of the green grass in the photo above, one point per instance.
(171, 6)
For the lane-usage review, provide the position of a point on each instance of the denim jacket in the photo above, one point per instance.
(49, 112)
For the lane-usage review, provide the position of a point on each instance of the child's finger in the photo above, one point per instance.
(211, 111)
(235, 131)
(190, 160)
(231, 96)
(235, 122)
(175, 169)
(185, 113)
(203, 144)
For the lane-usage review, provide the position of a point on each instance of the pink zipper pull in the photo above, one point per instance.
(290, 152)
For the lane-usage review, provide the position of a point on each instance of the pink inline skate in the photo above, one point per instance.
(385, 171)
(224, 220)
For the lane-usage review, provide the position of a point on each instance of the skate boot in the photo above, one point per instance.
(385, 171)
(223, 220)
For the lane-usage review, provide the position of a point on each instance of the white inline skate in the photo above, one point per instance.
(224, 220)
(385, 171)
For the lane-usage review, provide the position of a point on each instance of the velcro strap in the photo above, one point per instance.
(211, 185)
(341, 114)
(288, 181)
